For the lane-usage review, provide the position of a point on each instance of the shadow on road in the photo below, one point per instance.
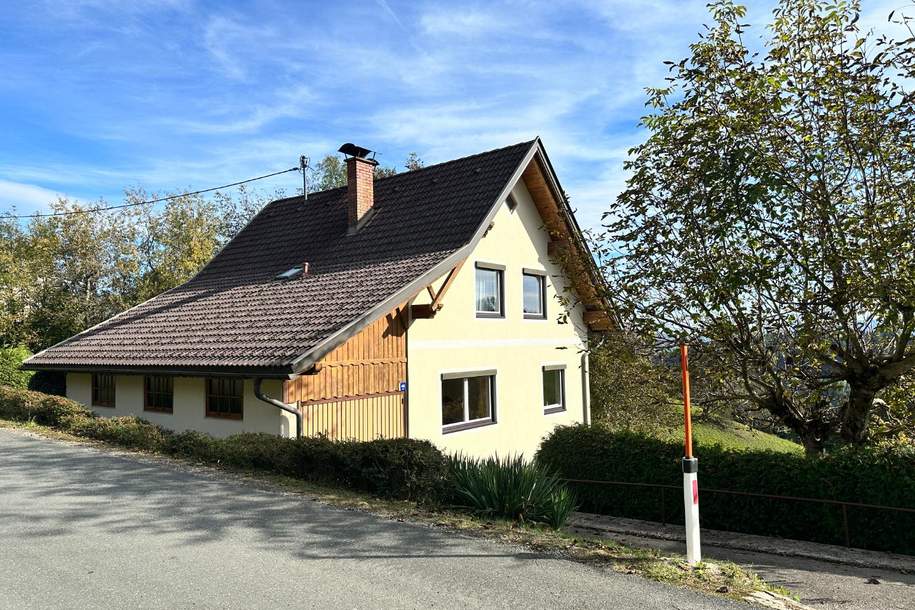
(201, 506)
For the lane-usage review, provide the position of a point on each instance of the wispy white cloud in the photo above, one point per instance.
(192, 94)
(24, 198)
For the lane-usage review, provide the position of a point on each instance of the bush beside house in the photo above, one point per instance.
(883, 474)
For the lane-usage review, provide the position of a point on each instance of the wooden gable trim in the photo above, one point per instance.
(565, 244)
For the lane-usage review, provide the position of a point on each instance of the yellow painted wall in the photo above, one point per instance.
(456, 340)
(189, 411)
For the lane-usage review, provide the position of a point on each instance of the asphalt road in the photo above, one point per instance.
(83, 528)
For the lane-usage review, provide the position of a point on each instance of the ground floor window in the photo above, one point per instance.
(102, 390)
(158, 394)
(554, 391)
(468, 400)
(225, 397)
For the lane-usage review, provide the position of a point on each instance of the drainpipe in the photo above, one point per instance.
(279, 405)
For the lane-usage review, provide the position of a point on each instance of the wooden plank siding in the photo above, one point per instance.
(361, 419)
(354, 393)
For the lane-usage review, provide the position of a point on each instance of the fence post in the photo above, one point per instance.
(845, 524)
(663, 507)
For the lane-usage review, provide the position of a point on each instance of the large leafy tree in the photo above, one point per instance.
(770, 215)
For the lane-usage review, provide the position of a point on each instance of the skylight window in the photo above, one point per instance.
(290, 275)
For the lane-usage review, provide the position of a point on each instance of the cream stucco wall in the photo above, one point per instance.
(455, 340)
(189, 411)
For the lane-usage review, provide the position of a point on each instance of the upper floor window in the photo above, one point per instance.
(225, 397)
(554, 391)
(534, 288)
(468, 400)
(489, 291)
(102, 390)
(158, 394)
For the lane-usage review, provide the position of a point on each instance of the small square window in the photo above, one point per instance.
(534, 287)
(468, 401)
(554, 395)
(489, 292)
(225, 397)
(158, 394)
(103, 391)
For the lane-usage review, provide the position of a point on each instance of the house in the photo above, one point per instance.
(451, 303)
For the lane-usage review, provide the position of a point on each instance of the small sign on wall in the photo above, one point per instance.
(403, 386)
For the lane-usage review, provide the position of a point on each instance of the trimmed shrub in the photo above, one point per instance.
(511, 487)
(398, 468)
(11, 359)
(25, 405)
(130, 432)
(883, 474)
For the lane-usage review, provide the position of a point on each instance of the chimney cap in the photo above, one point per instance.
(354, 151)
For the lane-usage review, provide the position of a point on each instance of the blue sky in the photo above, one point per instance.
(100, 95)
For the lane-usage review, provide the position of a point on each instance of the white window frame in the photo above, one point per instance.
(468, 423)
(563, 405)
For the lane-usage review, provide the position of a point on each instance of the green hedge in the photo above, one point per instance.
(397, 468)
(883, 475)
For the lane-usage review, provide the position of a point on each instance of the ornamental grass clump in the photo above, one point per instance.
(511, 487)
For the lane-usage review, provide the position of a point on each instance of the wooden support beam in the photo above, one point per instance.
(418, 312)
(429, 311)
(437, 301)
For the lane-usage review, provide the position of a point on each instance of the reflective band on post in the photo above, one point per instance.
(695, 491)
(690, 465)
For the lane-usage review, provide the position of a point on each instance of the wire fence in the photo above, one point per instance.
(664, 492)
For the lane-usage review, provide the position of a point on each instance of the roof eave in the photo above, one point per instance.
(281, 372)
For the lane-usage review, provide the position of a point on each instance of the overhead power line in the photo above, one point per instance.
(150, 201)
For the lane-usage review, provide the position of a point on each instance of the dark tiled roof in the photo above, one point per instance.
(234, 316)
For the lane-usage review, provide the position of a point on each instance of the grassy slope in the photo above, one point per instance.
(732, 435)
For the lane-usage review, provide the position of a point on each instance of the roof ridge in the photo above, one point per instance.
(420, 169)
(457, 160)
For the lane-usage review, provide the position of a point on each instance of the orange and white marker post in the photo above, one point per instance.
(690, 469)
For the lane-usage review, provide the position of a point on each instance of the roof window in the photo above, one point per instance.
(291, 274)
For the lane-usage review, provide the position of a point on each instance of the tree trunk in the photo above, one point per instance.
(857, 413)
(812, 432)
(812, 445)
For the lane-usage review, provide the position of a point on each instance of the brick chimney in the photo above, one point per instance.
(360, 184)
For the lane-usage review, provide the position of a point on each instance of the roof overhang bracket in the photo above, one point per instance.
(429, 311)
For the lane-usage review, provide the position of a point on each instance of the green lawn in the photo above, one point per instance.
(733, 435)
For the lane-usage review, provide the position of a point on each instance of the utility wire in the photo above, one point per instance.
(151, 201)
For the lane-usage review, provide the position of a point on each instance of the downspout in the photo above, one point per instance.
(279, 405)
